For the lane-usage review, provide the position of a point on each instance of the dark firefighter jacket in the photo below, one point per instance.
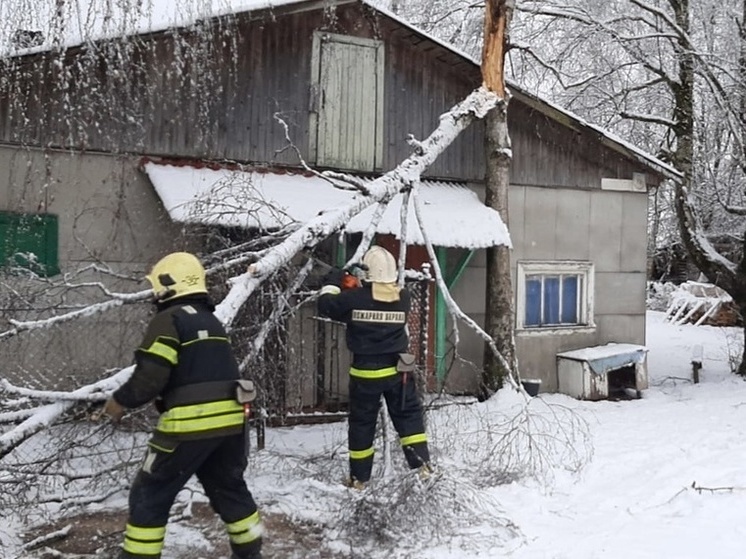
(376, 330)
(187, 364)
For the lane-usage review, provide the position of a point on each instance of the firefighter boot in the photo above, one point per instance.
(251, 551)
(426, 471)
(353, 483)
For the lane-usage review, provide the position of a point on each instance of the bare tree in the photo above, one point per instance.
(670, 75)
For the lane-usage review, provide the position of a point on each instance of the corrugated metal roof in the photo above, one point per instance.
(452, 213)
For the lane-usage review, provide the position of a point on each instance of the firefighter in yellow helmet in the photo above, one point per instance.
(185, 363)
(376, 319)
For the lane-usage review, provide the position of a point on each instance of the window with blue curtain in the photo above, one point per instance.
(570, 300)
(533, 301)
(552, 300)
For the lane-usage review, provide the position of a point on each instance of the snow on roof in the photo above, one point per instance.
(609, 357)
(601, 351)
(93, 20)
(452, 213)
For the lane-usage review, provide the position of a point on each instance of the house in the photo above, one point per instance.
(100, 138)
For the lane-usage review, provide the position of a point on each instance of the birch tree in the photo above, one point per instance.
(30, 412)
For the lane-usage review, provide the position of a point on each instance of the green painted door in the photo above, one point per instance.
(350, 109)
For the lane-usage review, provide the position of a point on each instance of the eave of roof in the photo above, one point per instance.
(453, 215)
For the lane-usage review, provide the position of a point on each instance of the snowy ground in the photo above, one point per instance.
(664, 476)
(637, 496)
(635, 499)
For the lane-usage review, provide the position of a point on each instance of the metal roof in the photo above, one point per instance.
(453, 215)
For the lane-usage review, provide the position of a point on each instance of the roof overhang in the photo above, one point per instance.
(452, 214)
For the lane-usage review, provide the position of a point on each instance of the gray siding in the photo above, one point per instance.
(107, 208)
(607, 228)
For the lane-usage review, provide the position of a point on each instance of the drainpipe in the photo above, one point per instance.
(441, 310)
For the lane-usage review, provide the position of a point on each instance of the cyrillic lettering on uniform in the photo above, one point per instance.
(382, 317)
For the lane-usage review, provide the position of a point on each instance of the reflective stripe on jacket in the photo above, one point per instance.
(187, 362)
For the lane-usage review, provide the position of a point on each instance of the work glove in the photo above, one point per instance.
(113, 410)
(358, 269)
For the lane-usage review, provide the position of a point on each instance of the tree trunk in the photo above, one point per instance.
(718, 271)
(499, 313)
(499, 316)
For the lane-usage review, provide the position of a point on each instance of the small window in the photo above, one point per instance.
(29, 241)
(554, 295)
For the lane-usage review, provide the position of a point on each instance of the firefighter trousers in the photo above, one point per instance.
(219, 465)
(405, 410)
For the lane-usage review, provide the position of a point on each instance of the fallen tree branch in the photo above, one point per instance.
(452, 123)
(47, 415)
(453, 307)
(732, 489)
(51, 537)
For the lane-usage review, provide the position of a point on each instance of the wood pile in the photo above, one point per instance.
(702, 304)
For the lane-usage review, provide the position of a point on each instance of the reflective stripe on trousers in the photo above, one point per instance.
(140, 541)
(245, 530)
(373, 373)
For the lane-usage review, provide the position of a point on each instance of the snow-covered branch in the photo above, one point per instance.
(117, 300)
(653, 119)
(453, 307)
(452, 123)
(48, 414)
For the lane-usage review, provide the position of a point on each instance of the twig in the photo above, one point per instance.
(700, 489)
(48, 538)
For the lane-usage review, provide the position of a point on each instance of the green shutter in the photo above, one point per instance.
(29, 241)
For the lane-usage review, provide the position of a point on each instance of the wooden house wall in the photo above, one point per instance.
(548, 153)
(151, 94)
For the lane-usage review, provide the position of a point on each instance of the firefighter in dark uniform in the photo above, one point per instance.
(376, 319)
(187, 366)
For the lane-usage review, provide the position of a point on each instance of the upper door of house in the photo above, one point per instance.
(347, 102)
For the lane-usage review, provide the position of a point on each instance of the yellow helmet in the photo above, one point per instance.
(176, 275)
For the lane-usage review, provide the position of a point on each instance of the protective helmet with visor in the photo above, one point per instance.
(382, 274)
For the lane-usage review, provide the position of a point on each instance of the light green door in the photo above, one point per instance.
(350, 102)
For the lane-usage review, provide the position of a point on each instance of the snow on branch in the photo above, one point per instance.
(46, 415)
(117, 299)
(653, 119)
(453, 307)
(452, 123)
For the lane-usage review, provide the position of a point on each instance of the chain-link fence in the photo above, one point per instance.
(50, 457)
(305, 367)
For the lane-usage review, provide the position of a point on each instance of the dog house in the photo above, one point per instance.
(611, 371)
